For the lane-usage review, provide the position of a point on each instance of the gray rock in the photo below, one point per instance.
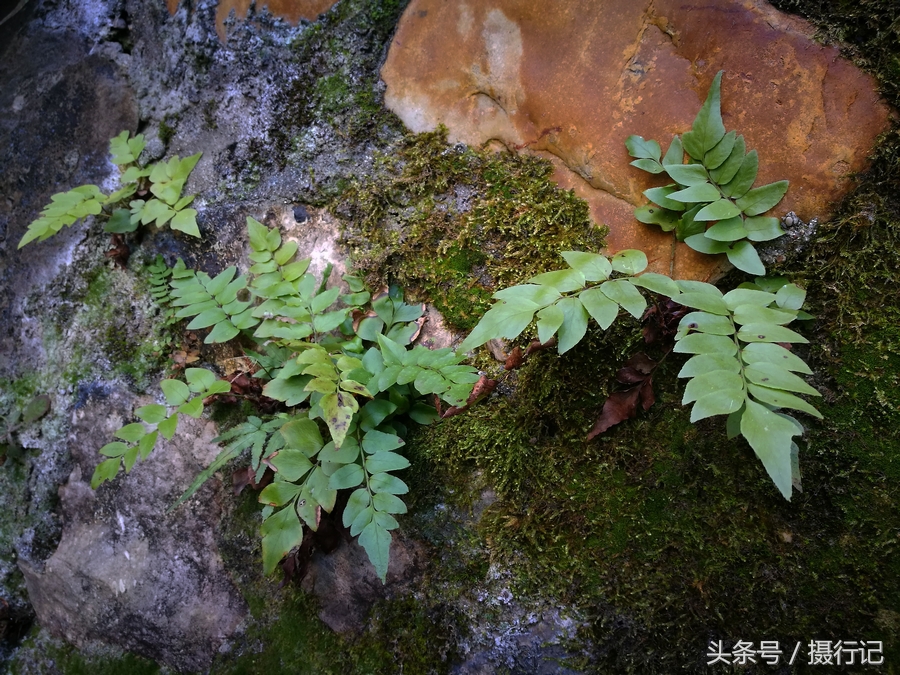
(125, 571)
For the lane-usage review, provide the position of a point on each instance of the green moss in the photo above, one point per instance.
(40, 653)
(456, 224)
(167, 128)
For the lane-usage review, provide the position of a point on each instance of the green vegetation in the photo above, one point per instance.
(164, 180)
(453, 223)
(716, 186)
(285, 310)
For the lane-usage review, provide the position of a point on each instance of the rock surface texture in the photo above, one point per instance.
(571, 83)
(118, 557)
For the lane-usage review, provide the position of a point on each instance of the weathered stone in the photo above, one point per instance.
(126, 573)
(346, 584)
(572, 83)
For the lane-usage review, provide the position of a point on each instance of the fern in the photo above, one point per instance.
(716, 186)
(739, 367)
(139, 438)
(165, 180)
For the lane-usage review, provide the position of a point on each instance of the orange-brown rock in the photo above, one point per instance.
(290, 10)
(572, 79)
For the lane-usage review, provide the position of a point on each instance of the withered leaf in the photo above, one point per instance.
(515, 359)
(537, 345)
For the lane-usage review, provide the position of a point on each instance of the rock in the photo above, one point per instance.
(346, 585)
(573, 83)
(125, 572)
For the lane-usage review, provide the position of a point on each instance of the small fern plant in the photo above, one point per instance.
(347, 376)
(739, 365)
(711, 204)
(149, 194)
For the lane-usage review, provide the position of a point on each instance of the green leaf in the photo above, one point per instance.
(658, 283)
(766, 332)
(761, 199)
(727, 170)
(707, 129)
(222, 332)
(281, 532)
(593, 266)
(357, 503)
(286, 252)
(629, 261)
(114, 449)
(701, 192)
(186, 221)
(377, 542)
(705, 301)
(378, 441)
(700, 242)
(292, 464)
(302, 434)
(130, 458)
(761, 228)
(167, 426)
(423, 414)
(721, 402)
(131, 432)
(769, 434)
(145, 445)
(743, 256)
(388, 503)
(320, 490)
(505, 320)
(766, 352)
(704, 322)
(687, 226)
(640, 148)
(790, 296)
(722, 151)
(347, 476)
(549, 320)
(744, 178)
(291, 390)
(152, 414)
(175, 391)
(706, 363)
(387, 483)
(193, 408)
(622, 292)
(561, 280)
(718, 210)
(279, 493)
(257, 232)
(106, 470)
(654, 215)
(769, 375)
(675, 153)
(338, 409)
(755, 314)
(747, 296)
(730, 229)
(781, 399)
(385, 461)
(648, 165)
(710, 383)
(120, 222)
(702, 343)
(207, 318)
(660, 195)
(430, 382)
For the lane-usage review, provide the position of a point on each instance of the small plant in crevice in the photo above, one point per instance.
(150, 194)
(347, 377)
(18, 419)
(740, 366)
(712, 205)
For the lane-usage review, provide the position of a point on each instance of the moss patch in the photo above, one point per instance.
(455, 224)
